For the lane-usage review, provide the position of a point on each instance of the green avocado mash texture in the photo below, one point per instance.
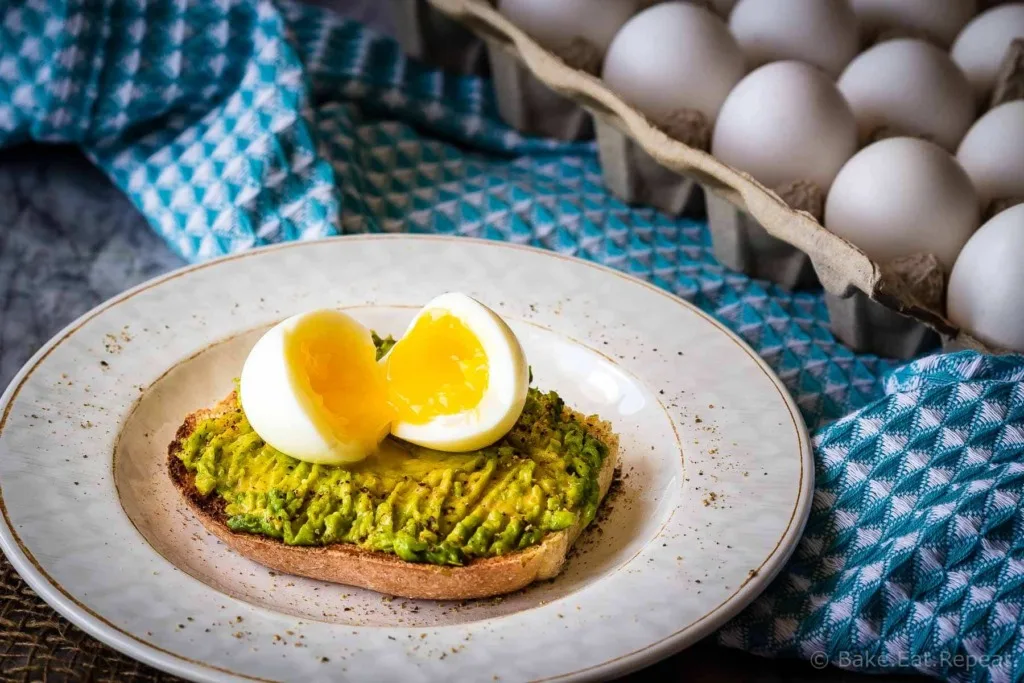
(422, 505)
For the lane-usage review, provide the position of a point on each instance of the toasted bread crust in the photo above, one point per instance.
(383, 572)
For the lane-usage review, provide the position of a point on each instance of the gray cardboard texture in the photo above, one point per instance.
(635, 178)
(867, 326)
(430, 35)
(741, 243)
(531, 107)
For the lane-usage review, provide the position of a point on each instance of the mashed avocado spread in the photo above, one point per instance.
(421, 505)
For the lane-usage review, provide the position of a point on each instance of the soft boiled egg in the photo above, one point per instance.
(312, 389)
(457, 379)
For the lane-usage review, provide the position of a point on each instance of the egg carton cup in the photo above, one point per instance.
(529, 105)
(845, 271)
(433, 37)
(741, 243)
(635, 177)
(867, 326)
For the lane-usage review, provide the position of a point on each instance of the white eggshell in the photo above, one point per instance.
(786, 122)
(819, 32)
(903, 196)
(986, 283)
(940, 20)
(992, 153)
(555, 24)
(911, 87)
(674, 56)
(980, 48)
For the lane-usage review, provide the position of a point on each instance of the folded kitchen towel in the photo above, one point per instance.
(913, 556)
(236, 123)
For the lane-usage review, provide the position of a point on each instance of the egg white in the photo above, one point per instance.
(277, 409)
(502, 401)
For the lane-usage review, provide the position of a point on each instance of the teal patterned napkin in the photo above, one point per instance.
(236, 123)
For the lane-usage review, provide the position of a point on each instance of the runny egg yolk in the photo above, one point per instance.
(439, 368)
(332, 362)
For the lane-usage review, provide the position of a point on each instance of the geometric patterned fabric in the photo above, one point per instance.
(236, 123)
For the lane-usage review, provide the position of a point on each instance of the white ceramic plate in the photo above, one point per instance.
(716, 463)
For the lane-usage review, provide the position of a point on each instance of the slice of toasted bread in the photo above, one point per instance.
(383, 572)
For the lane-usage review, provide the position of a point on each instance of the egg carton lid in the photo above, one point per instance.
(907, 287)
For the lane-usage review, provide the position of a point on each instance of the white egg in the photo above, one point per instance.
(987, 280)
(980, 48)
(819, 32)
(786, 122)
(457, 379)
(992, 153)
(909, 87)
(312, 389)
(671, 57)
(555, 24)
(903, 196)
(939, 20)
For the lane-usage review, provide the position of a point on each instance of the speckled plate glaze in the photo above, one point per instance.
(716, 463)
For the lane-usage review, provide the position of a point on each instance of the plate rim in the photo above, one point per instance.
(97, 626)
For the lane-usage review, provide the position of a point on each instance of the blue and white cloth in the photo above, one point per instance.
(236, 123)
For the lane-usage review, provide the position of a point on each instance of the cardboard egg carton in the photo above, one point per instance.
(636, 178)
(530, 106)
(894, 309)
(432, 36)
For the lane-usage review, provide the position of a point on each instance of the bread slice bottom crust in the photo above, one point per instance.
(384, 572)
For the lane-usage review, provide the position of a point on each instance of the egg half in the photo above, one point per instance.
(312, 386)
(457, 379)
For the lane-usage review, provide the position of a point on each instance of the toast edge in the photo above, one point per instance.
(383, 572)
